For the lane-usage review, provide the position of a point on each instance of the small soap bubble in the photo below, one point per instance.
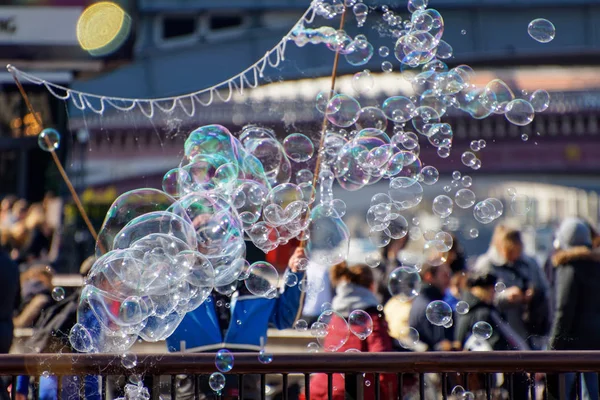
(129, 360)
(313, 347)
(45, 374)
(442, 206)
(463, 32)
(379, 307)
(404, 283)
(290, 279)
(438, 312)
(540, 100)
(500, 287)
(49, 139)
(216, 381)
(384, 51)
(511, 191)
(482, 330)
(466, 181)
(524, 137)
(458, 391)
(468, 159)
(462, 307)
(265, 357)
(430, 175)
(464, 198)
(363, 82)
(387, 66)
(224, 360)
(326, 307)
(360, 324)
(81, 339)
(373, 259)
(409, 337)
(520, 112)
(301, 325)
(542, 30)
(474, 233)
(456, 175)
(58, 293)
(520, 204)
(367, 383)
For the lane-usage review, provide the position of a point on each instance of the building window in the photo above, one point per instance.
(173, 30)
(219, 26)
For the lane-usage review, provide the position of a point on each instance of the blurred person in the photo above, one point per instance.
(10, 293)
(355, 290)
(238, 322)
(51, 335)
(479, 295)
(36, 293)
(435, 281)
(525, 300)
(390, 260)
(6, 216)
(38, 236)
(455, 259)
(576, 323)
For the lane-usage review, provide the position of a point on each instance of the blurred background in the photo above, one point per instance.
(178, 46)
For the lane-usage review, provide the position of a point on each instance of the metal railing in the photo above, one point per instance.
(455, 365)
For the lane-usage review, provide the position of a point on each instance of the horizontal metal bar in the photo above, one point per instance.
(245, 363)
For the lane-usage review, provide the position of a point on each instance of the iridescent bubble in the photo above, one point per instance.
(265, 357)
(520, 112)
(129, 360)
(524, 137)
(500, 287)
(540, 100)
(224, 360)
(360, 11)
(360, 324)
(337, 331)
(342, 110)
(397, 228)
(387, 67)
(430, 175)
(435, 252)
(323, 99)
(466, 181)
(384, 51)
(301, 325)
(313, 347)
(488, 210)
(474, 233)
(49, 139)
(409, 337)
(520, 204)
(496, 96)
(290, 279)
(363, 82)
(462, 307)
(58, 293)
(442, 206)
(262, 280)
(373, 259)
(482, 330)
(377, 239)
(438, 312)
(326, 307)
(468, 158)
(458, 391)
(407, 192)
(216, 381)
(81, 339)
(404, 283)
(542, 30)
(398, 109)
(359, 52)
(371, 117)
(464, 198)
(298, 147)
(176, 181)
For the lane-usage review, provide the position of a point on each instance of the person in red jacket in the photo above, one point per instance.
(355, 290)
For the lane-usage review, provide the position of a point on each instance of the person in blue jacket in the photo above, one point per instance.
(238, 323)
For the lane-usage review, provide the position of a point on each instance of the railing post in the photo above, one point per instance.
(354, 387)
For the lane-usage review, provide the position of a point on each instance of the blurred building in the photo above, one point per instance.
(39, 36)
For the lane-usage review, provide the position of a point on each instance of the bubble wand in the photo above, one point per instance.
(56, 160)
(320, 150)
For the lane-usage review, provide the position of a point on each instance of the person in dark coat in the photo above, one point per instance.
(576, 323)
(11, 297)
(479, 296)
(435, 282)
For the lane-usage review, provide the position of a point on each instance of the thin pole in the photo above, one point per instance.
(319, 155)
(57, 162)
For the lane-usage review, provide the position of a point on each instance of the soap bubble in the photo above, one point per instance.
(387, 67)
(398, 109)
(540, 100)
(342, 110)
(474, 233)
(334, 323)
(360, 11)
(542, 30)
(360, 324)
(176, 181)
(58, 293)
(442, 206)
(216, 381)
(458, 391)
(520, 204)
(520, 112)
(482, 330)
(363, 82)
(430, 175)
(371, 117)
(81, 339)
(290, 279)
(301, 325)
(488, 210)
(49, 139)
(406, 192)
(262, 280)
(435, 252)
(464, 198)
(323, 99)
(409, 337)
(438, 312)
(265, 357)
(466, 181)
(129, 360)
(405, 283)
(468, 158)
(462, 307)
(500, 287)
(313, 347)
(397, 228)
(298, 147)
(359, 53)
(384, 51)
(224, 360)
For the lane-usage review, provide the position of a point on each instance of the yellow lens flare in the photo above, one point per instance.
(102, 28)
